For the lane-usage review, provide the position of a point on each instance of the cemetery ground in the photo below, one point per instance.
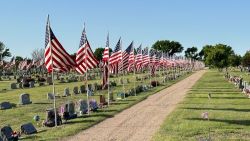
(141, 121)
(21, 114)
(228, 111)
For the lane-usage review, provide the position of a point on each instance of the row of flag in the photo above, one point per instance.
(25, 64)
(56, 57)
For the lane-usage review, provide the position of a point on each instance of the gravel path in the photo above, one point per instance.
(141, 121)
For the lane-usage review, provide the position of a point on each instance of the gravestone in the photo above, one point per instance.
(32, 84)
(50, 96)
(93, 105)
(75, 90)
(71, 108)
(66, 92)
(241, 83)
(6, 133)
(90, 91)
(50, 118)
(20, 85)
(41, 84)
(82, 106)
(205, 115)
(5, 105)
(103, 100)
(28, 129)
(24, 99)
(49, 80)
(13, 86)
(62, 80)
(95, 86)
(67, 80)
(82, 89)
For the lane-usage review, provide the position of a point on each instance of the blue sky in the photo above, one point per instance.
(191, 22)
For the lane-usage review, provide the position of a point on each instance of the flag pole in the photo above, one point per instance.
(108, 86)
(108, 73)
(134, 77)
(86, 61)
(135, 56)
(122, 72)
(87, 87)
(52, 75)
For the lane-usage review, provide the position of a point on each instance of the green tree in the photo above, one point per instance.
(192, 53)
(4, 52)
(205, 51)
(218, 56)
(167, 46)
(99, 53)
(246, 59)
(235, 60)
(19, 59)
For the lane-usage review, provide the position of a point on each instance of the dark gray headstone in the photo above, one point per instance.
(32, 84)
(66, 92)
(41, 84)
(71, 108)
(82, 89)
(50, 96)
(6, 133)
(13, 86)
(28, 129)
(82, 106)
(75, 90)
(24, 99)
(49, 80)
(20, 85)
(62, 80)
(5, 105)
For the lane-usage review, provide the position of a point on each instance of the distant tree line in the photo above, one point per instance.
(217, 56)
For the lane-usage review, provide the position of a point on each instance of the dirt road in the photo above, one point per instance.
(141, 121)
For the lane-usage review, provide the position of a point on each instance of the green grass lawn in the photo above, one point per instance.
(23, 114)
(229, 113)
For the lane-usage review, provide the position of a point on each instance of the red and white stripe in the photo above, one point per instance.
(55, 55)
(85, 59)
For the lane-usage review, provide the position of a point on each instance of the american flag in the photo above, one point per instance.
(116, 57)
(138, 59)
(127, 58)
(158, 55)
(55, 55)
(11, 63)
(85, 59)
(145, 57)
(161, 58)
(23, 64)
(152, 55)
(105, 59)
(30, 64)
